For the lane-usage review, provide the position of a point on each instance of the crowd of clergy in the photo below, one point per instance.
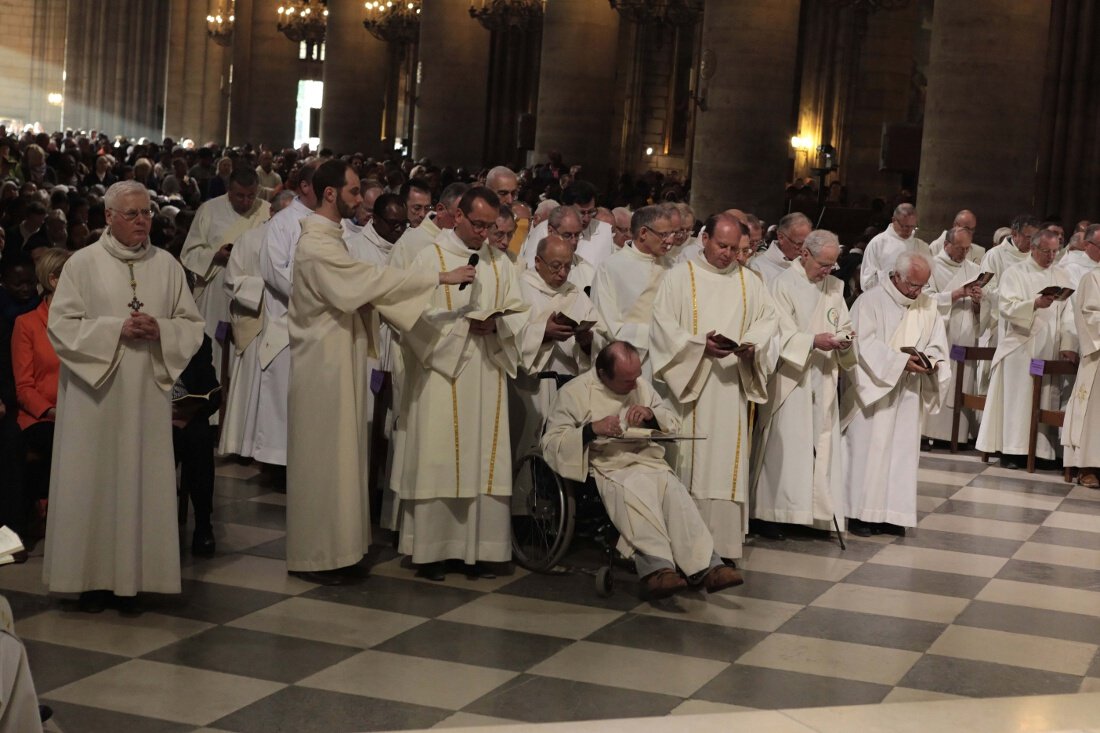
(711, 378)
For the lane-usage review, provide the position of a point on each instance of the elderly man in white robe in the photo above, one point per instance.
(441, 219)
(627, 282)
(455, 472)
(959, 298)
(777, 258)
(1033, 326)
(245, 287)
(556, 340)
(620, 230)
(595, 240)
(711, 322)
(889, 393)
(334, 318)
(801, 417)
(1077, 261)
(1012, 251)
(965, 219)
(218, 224)
(658, 523)
(882, 251)
(565, 223)
(277, 270)
(124, 326)
(1081, 430)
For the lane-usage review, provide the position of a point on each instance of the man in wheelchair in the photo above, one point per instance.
(656, 517)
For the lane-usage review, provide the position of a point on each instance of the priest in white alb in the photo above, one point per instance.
(1077, 260)
(415, 239)
(557, 338)
(883, 249)
(797, 475)
(1081, 429)
(959, 298)
(780, 254)
(888, 394)
(334, 318)
(627, 281)
(1012, 251)
(455, 478)
(217, 225)
(1033, 326)
(712, 320)
(595, 240)
(658, 523)
(124, 326)
(965, 219)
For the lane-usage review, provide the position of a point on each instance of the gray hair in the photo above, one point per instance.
(905, 261)
(1038, 237)
(452, 193)
(545, 207)
(903, 210)
(646, 217)
(499, 172)
(949, 237)
(818, 240)
(560, 214)
(1092, 231)
(121, 190)
(281, 200)
(790, 221)
(686, 212)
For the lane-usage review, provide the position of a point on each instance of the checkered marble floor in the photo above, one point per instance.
(997, 593)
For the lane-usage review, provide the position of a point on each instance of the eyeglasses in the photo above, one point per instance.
(1094, 244)
(906, 285)
(395, 225)
(498, 233)
(664, 236)
(1046, 252)
(480, 226)
(570, 236)
(792, 240)
(133, 214)
(587, 212)
(555, 267)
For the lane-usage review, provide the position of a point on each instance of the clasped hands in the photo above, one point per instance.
(612, 427)
(141, 327)
(914, 366)
(974, 292)
(717, 349)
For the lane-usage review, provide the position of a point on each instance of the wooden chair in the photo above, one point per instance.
(1041, 368)
(963, 400)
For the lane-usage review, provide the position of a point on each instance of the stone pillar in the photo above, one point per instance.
(196, 104)
(577, 85)
(742, 139)
(982, 113)
(454, 67)
(355, 73)
(264, 90)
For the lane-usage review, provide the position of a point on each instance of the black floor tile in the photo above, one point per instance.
(959, 542)
(237, 488)
(254, 514)
(941, 462)
(673, 636)
(1062, 575)
(1094, 668)
(1033, 621)
(54, 666)
(82, 719)
(299, 709)
(863, 628)
(577, 587)
(820, 544)
(919, 581)
(253, 654)
(783, 588)
(544, 700)
(1066, 537)
(1021, 485)
(276, 549)
(769, 689)
(212, 602)
(984, 679)
(477, 645)
(1002, 512)
(1080, 506)
(397, 595)
(25, 605)
(939, 491)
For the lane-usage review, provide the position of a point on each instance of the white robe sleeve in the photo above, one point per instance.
(562, 444)
(679, 357)
(89, 347)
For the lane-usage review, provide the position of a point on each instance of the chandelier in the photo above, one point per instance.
(301, 21)
(219, 25)
(497, 15)
(393, 21)
(659, 12)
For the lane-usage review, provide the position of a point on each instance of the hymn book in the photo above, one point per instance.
(485, 315)
(1057, 292)
(727, 344)
(9, 545)
(634, 433)
(921, 356)
(578, 326)
(980, 281)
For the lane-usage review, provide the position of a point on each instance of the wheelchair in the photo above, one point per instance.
(549, 512)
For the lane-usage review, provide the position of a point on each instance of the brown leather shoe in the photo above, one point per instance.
(663, 583)
(1089, 481)
(721, 577)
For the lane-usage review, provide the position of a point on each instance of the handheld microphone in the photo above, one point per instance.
(472, 263)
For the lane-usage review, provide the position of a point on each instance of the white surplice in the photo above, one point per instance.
(455, 474)
(882, 252)
(797, 475)
(1081, 429)
(770, 264)
(113, 478)
(712, 396)
(1026, 333)
(334, 332)
(975, 255)
(883, 405)
(596, 243)
(623, 291)
(277, 269)
(645, 501)
(1076, 264)
(412, 241)
(961, 319)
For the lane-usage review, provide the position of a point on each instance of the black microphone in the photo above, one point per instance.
(471, 263)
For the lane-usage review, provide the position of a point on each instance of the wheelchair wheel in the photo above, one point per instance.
(605, 584)
(542, 515)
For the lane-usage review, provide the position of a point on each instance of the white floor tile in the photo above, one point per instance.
(892, 602)
(1018, 650)
(977, 526)
(725, 610)
(1073, 520)
(800, 565)
(630, 668)
(944, 561)
(335, 623)
(1008, 498)
(1036, 595)
(804, 654)
(502, 611)
(1077, 557)
(249, 571)
(109, 632)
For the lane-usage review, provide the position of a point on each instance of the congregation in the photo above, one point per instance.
(395, 328)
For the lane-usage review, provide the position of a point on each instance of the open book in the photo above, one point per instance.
(183, 395)
(726, 343)
(654, 434)
(577, 326)
(490, 313)
(981, 280)
(9, 545)
(924, 360)
(1057, 292)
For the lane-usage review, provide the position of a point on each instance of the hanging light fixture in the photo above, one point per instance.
(219, 24)
(659, 12)
(302, 20)
(498, 15)
(393, 21)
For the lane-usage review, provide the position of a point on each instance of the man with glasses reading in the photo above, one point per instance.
(626, 283)
(1081, 431)
(777, 258)
(1033, 326)
(888, 393)
(883, 250)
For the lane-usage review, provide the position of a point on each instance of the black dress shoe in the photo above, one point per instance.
(432, 571)
(202, 541)
(1012, 462)
(93, 601)
(769, 530)
(326, 577)
(480, 570)
(859, 528)
(128, 605)
(894, 529)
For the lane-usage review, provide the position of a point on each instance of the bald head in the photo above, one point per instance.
(503, 182)
(619, 367)
(554, 260)
(965, 219)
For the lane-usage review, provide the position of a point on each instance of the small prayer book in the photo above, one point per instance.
(981, 280)
(924, 360)
(1057, 292)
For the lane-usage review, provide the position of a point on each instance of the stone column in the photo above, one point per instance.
(196, 104)
(982, 113)
(742, 140)
(266, 70)
(577, 84)
(454, 68)
(355, 72)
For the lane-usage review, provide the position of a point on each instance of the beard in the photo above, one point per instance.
(346, 210)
